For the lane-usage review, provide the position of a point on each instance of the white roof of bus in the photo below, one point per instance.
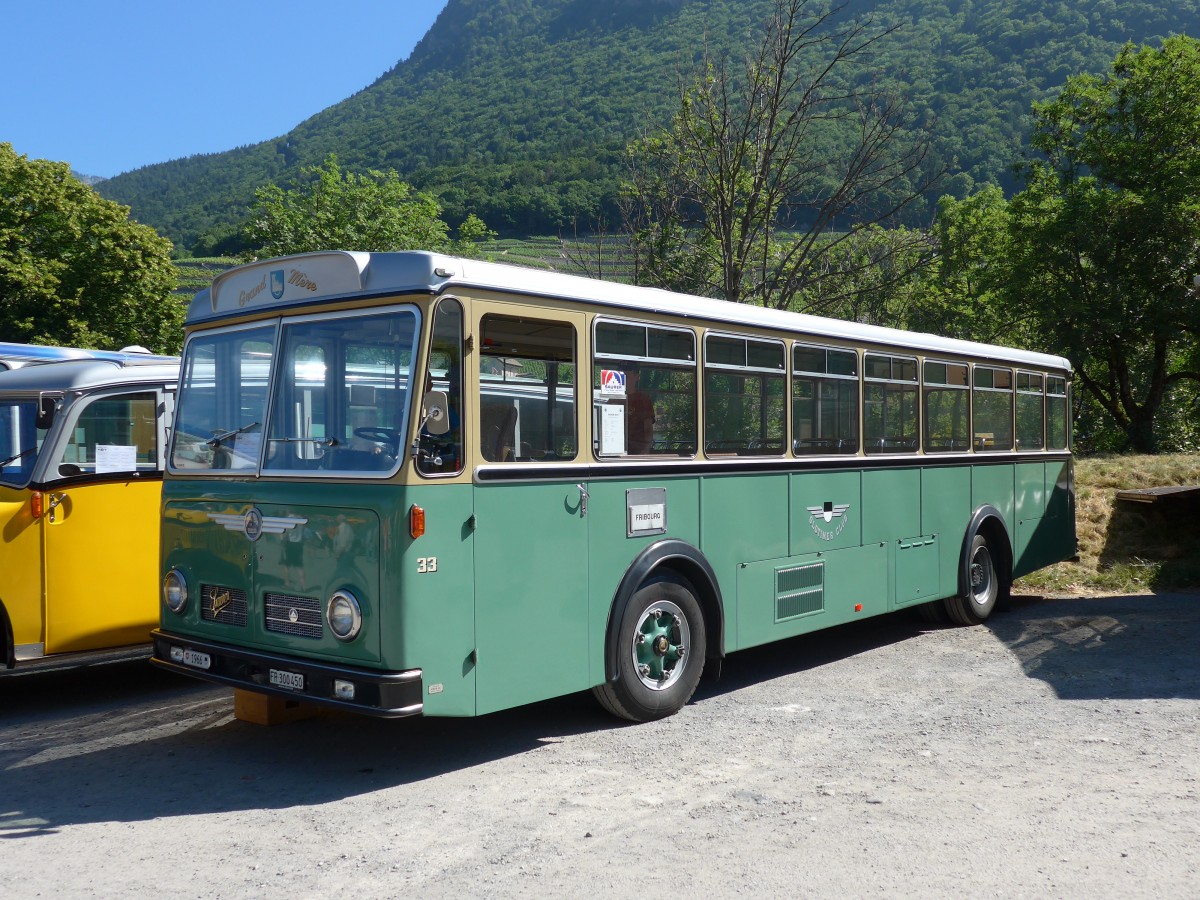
(319, 277)
(24, 354)
(88, 374)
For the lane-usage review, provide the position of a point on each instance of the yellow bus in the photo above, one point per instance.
(81, 460)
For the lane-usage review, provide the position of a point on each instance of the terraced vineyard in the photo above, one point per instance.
(197, 274)
(594, 257)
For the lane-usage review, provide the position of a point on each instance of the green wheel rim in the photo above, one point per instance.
(661, 643)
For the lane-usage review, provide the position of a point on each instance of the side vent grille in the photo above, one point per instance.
(799, 591)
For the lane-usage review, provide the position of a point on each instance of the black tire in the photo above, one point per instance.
(655, 680)
(983, 589)
(933, 612)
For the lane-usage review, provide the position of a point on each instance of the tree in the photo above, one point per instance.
(1102, 245)
(328, 208)
(965, 293)
(762, 176)
(74, 269)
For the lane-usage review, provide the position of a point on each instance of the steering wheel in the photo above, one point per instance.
(380, 435)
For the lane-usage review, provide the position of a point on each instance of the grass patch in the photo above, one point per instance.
(1129, 547)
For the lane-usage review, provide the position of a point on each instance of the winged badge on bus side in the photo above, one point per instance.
(828, 513)
(254, 524)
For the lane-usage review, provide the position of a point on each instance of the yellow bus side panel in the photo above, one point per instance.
(102, 566)
(21, 566)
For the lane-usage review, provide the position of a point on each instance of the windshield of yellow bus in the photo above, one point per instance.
(20, 440)
(338, 396)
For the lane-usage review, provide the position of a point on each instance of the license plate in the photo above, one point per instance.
(196, 659)
(292, 681)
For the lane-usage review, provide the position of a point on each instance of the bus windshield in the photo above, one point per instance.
(20, 440)
(338, 404)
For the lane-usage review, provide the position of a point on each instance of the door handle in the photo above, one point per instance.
(56, 500)
(583, 499)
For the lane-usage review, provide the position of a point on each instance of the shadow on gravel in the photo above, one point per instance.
(1123, 647)
(125, 743)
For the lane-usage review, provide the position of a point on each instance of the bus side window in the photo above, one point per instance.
(527, 379)
(992, 408)
(1031, 434)
(442, 454)
(113, 434)
(643, 390)
(946, 396)
(824, 400)
(744, 412)
(1057, 418)
(890, 404)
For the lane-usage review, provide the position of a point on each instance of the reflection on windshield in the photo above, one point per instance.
(20, 439)
(340, 398)
(223, 399)
(341, 394)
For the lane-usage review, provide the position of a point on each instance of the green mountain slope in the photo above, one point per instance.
(518, 109)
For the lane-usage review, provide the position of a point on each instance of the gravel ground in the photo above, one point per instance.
(1053, 752)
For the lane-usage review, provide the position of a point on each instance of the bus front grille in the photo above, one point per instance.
(225, 605)
(297, 616)
(799, 591)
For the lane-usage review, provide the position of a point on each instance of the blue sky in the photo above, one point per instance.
(109, 87)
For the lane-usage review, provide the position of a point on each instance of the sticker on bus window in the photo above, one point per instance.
(612, 383)
(612, 429)
(115, 458)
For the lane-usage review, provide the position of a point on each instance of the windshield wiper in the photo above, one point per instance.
(5, 462)
(328, 442)
(216, 439)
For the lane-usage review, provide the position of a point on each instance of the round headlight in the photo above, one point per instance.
(175, 593)
(344, 615)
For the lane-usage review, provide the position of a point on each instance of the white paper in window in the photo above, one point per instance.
(116, 458)
(612, 428)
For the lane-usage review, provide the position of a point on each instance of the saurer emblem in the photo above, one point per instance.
(218, 600)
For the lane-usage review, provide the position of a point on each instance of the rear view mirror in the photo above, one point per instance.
(47, 406)
(435, 413)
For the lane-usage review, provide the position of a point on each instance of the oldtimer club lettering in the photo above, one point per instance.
(828, 513)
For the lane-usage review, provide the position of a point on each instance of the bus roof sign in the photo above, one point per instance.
(295, 278)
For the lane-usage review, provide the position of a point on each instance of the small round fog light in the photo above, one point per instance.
(175, 592)
(344, 615)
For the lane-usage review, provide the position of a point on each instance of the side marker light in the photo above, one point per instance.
(36, 504)
(416, 521)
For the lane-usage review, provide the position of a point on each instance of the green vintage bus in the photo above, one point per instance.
(404, 483)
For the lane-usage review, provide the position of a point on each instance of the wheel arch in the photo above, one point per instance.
(989, 522)
(677, 559)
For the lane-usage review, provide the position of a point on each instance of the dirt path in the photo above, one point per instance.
(1053, 752)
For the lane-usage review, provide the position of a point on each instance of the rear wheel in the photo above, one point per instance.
(983, 586)
(660, 653)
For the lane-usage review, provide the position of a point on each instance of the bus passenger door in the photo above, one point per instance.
(531, 547)
(101, 524)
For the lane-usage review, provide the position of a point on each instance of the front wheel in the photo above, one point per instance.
(983, 586)
(660, 654)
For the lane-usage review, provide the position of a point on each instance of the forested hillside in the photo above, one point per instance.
(518, 110)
